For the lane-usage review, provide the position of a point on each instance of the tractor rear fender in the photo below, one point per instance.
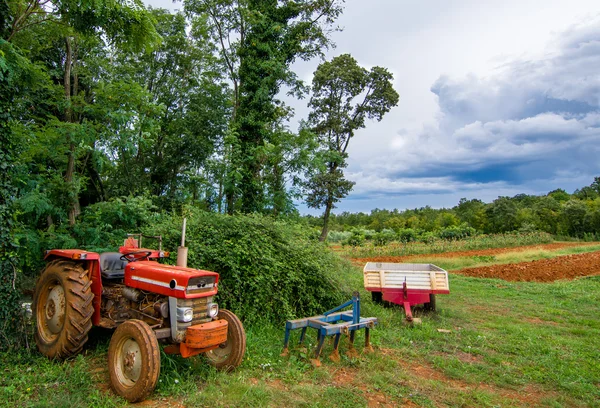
(91, 263)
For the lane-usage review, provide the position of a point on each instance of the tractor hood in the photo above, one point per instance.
(171, 280)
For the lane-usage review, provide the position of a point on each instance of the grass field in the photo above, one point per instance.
(500, 344)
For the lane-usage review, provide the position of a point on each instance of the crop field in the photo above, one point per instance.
(520, 328)
(436, 246)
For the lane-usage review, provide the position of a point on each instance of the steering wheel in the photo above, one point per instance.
(130, 257)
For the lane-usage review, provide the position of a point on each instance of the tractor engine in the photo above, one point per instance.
(121, 303)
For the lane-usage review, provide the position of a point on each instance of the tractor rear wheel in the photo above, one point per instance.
(229, 355)
(133, 360)
(62, 304)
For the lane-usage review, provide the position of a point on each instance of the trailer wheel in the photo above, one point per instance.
(430, 307)
(377, 297)
(229, 355)
(62, 304)
(133, 360)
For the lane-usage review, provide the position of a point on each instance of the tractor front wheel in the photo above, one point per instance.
(62, 304)
(229, 355)
(133, 360)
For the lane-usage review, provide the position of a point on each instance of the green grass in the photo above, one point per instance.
(510, 344)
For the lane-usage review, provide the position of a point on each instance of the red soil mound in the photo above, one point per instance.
(544, 270)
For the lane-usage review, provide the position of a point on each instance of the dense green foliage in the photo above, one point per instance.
(270, 270)
(14, 69)
(558, 213)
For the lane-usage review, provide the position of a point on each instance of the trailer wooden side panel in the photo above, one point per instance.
(427, 277)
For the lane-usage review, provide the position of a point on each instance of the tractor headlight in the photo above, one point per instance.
(185, 314)
(213, 309)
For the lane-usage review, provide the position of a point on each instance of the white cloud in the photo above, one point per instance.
(532, 123)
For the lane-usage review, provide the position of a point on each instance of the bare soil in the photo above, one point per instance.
(543, 270)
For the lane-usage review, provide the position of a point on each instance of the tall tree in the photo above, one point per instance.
(258, 41)
(345, 95)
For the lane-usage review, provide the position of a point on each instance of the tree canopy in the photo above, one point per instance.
(344, 96)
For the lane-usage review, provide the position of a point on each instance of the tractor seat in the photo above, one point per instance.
(112, 266)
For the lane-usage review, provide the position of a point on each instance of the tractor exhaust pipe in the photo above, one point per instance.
(182, 251)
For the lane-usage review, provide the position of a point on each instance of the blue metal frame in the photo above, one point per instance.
(327, 325)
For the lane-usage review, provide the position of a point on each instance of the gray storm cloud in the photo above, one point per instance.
(531, 122)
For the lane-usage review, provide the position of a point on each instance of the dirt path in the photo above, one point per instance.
(475, 252)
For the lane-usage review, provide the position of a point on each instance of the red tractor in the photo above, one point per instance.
(145, 301)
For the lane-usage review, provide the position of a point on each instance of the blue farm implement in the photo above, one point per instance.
(333, 323)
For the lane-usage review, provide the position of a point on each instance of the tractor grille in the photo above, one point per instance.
(201, 284)
(200, 306)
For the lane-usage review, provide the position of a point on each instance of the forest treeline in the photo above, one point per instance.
(109, 99)
(558, 213)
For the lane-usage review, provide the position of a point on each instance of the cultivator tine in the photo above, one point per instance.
(302, 334)
(351, 350)
(335, 354)
(368, 347)
(321, 342)
(286, 341)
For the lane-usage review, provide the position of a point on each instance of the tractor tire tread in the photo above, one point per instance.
(79, 310)
(237, 334)
(150, 349)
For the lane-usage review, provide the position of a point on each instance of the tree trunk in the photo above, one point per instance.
(74, 209)
(220, 199)
(325, 230)
(279, 196)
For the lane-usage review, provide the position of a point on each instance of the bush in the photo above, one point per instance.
(456, 232)
(384, 237)
(269, 270)
(407, 235)
(356, 239)
(338, 236)
(427, 237)
(101, 227)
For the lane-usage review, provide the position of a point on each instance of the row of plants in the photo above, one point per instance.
(358, 236)
(358, 245)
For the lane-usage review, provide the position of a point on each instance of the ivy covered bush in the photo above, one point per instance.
(269, 270)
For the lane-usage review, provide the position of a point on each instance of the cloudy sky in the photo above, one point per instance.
(496, 98)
